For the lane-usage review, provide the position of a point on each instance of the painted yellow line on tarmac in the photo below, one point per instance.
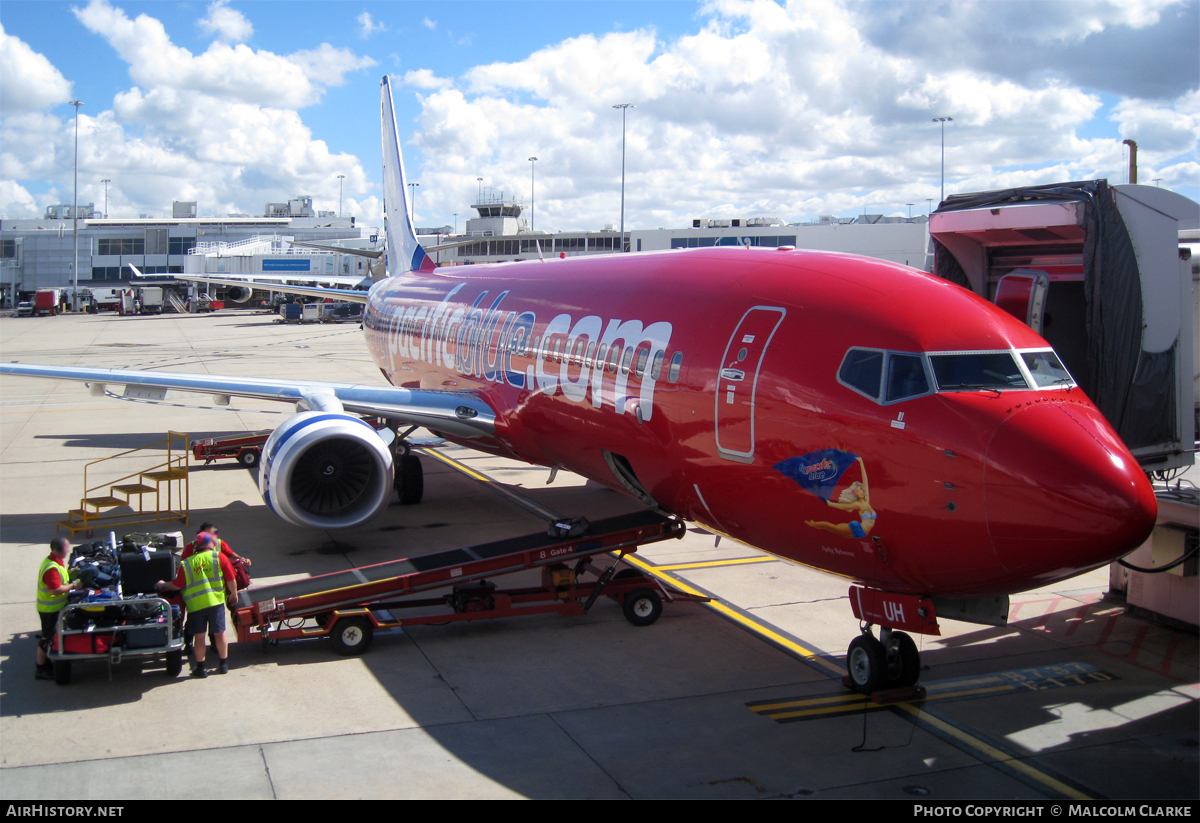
(994, 753)
(761, 629)
(449, 461)
(712, 564)
(841, 700)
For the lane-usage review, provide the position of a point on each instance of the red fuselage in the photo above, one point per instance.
(707, 381)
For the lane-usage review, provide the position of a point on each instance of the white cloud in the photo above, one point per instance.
(426, 80)
(772, 110)
(229, 25)
(367, 26)
(235, 73)
(31, 82)
(221, 127)
(15, 201)
(429, 24)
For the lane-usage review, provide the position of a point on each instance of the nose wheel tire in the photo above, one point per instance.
(903, 661)
(866, 664)
(352, 635)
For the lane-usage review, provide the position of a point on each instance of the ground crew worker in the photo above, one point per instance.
(205, 578)
(225, 548)
(53, 584)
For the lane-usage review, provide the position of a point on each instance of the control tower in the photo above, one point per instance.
(498, 216)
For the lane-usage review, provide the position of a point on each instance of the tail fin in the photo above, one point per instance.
(403, 251)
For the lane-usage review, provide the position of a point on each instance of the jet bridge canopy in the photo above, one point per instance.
(1118, 303)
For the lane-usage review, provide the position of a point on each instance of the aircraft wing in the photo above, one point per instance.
(349, 295)
(459, 413)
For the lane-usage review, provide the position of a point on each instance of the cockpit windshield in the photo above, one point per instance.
(1046, 369)
(970, 371)
(891, 376)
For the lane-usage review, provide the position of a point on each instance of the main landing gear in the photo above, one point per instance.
(891, 662)
(410, 477)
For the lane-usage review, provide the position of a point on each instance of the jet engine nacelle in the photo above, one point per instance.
(239, 294)
(326, 470)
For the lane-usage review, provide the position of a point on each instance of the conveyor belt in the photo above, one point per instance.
(591, 543)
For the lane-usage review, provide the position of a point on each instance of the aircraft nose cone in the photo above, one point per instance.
(1062, 494)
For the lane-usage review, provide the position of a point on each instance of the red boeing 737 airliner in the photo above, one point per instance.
(850, 414)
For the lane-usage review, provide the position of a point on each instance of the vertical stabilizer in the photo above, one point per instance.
(404, 253)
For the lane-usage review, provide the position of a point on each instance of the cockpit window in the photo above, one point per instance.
(862, 370)
(971, 371)
(906, 376)
(1046, 369)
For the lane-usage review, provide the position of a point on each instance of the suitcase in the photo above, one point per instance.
(90, 643)
(150, 636)
(139, 574)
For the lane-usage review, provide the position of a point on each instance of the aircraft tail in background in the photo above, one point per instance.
(404, 253)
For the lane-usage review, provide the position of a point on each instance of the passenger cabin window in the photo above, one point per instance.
(639, 367)
(627, 360)
(614, 357)
(676, 363)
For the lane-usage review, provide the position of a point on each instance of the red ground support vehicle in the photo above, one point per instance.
(246, 449)
(47, 301)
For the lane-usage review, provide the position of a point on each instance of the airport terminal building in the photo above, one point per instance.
(39, 253)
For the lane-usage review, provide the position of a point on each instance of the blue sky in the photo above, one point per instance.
(743, 108)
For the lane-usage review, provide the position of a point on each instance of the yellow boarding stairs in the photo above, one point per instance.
(123, 501)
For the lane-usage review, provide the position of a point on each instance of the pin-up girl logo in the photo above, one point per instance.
(820, 472)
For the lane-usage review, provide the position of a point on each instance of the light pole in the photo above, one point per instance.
(532, 166)
(943, 121)
(929, 211)
(412, 203)
(623, 107)
(456, 222)
(75, 216)
(341, 177)
(479, 199)
(106, 181)
(910, 205)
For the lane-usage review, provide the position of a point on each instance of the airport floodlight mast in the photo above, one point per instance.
(623, 107)
(75, 216)
(479, 197)
(412, 202)
(929, 211)
(910, 205)
(943, 121)
(340, 178)
(532, 166)
(456, 222)
(105, 181)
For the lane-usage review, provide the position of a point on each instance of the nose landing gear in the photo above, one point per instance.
(891, 662)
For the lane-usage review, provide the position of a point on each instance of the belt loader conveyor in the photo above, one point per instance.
(348, 606)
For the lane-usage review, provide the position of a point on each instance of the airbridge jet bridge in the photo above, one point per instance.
(1098, 271)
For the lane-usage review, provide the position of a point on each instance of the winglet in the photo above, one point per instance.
(404, 252)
